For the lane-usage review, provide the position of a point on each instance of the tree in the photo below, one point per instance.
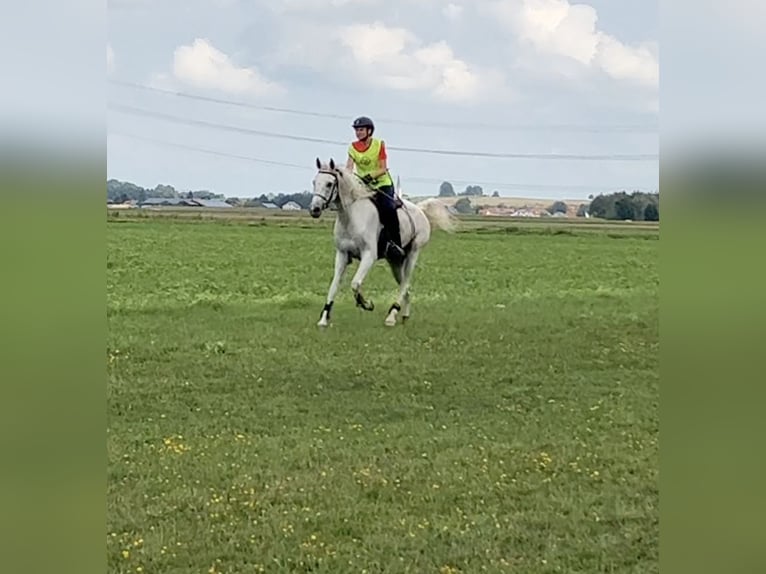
(600, 207)
(495, 193)
(116, 189)
(624, 209)
(558, 207)
(652, 212)
(463, 205)
(205, 194)
(582, 210)
(621, 205)
(165, 191)
(471, 190)
(446, 189)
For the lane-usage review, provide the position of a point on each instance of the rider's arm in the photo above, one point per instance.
(382, 161)
(381, 170)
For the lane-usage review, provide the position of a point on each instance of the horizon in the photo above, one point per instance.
(486, 195)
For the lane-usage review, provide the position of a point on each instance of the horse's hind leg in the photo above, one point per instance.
(408, 272)
(396, 269)
(403, 275)
(406, 309)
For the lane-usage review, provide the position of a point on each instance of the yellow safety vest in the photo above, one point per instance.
(367, 162)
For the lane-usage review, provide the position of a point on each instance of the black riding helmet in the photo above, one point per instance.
(364, 122)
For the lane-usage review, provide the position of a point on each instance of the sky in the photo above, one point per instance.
(193, 86)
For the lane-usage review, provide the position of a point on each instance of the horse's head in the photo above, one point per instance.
(326, 183)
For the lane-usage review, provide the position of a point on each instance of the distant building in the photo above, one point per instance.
(292, 206)
(211, 203)
(183, 202)
(157, 201)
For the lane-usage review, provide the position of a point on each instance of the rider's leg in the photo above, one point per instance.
(391, 219)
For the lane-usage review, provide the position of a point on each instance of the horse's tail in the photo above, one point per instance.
(438, 214)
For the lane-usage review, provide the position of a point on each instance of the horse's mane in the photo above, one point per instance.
(348, 182)
(355, 186)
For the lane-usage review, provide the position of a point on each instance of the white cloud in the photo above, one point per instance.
(626, 63)
(452, 11)
(109, 59)
(202, 65)
(395, 58)
(560, 29)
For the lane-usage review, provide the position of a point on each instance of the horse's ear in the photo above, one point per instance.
(319, 164)
(332, 164)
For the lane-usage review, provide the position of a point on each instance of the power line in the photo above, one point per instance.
(188, 121)
(213, 152)
(520, 186)
(451, 125)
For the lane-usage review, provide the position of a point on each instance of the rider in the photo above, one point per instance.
(368, 155)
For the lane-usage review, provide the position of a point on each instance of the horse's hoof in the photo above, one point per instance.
(322, 323)
(390, 321)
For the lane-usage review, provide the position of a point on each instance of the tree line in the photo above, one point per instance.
(123, 191)
(621, 205)
(636, 206)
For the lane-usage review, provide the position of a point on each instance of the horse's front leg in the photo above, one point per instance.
(341, 262)
(366, 263)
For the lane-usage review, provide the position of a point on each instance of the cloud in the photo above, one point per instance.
(452, 11)
(559, 29)
(109, 59)
(395, 58)
(622, 62)
(202, 65)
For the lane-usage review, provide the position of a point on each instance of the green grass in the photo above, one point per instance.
(511, 426)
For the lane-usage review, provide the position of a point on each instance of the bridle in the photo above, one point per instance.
(333, 190)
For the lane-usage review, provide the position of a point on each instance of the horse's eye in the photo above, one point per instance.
(328, 185)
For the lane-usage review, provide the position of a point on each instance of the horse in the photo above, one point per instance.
(358, 235)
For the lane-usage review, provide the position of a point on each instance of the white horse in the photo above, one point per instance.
(358, 234)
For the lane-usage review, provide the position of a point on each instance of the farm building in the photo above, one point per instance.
(183, 202)
(292, 206)
(211, 202)
(157, 201)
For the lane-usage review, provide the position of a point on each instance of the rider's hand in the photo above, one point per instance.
(367, 178)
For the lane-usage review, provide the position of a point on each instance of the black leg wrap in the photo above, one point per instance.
(361, 302)
(328, 308)
(394, 306)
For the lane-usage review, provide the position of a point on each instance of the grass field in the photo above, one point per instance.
(511, 426)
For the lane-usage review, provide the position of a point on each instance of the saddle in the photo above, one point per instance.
(377, 199)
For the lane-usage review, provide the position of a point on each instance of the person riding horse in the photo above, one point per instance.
(367, 155)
